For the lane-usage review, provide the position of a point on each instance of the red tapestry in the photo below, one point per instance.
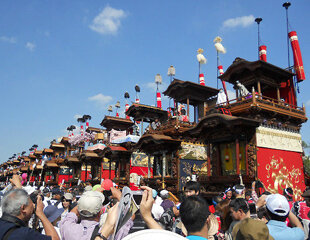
(279, 169)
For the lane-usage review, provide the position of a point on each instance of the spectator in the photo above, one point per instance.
(191, 188)
(278, 210)
(239, 209)
(195, 215)
(17, 209)
(53, 214)
(228, 193)
(88, 208)
(66, 204)
(239, 191)
(302, 211)
(56, 198)
(252, 229)
(166, 203)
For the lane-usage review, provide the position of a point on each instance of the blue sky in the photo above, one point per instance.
(60, 59)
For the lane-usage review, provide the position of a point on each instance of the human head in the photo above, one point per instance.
(239, 209)
(90, 204)
(239, 190)
(248, 195)
(53, 213)
(17, 203)
(191, 188)
(194, 213)
(164, 194)
(228, 193)
(57, 193)
(278, 207)
(67, 200)
(288, 193)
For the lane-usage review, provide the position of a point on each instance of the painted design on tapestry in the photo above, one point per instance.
(279, 177)
(140, 159)
(193, 151)
(189, 168)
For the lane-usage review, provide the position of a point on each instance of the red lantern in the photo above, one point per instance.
(263, 53)
(158, 97)
(298, 64)
(202, 79)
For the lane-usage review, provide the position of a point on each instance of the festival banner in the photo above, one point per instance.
(279, 169)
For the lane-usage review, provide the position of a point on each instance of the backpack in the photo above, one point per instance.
(167, 219)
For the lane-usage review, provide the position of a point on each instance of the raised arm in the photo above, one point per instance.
(47, 225)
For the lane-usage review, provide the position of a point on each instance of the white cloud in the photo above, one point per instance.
(30, 46)
(108, 21)
(100, 99)
(76, 116)
(8, 39)
(243, 21)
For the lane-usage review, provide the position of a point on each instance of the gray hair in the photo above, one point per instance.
(13, 201)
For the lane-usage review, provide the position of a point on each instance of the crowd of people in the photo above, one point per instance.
(92, 212)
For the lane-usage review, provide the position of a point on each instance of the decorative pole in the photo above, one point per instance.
(117, 105)
(201, 60)
(126, 96)
(158, 80)
(137, 89)
(171, 73)
(286, 5)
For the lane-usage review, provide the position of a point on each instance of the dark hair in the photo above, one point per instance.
(273, 216)
(262, 212)
(191, 185)
(288, 193)
(239, 203)
(194, 212)
(223, 209)
(248, 193)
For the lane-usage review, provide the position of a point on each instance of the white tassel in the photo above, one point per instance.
(201, 59)
(220, 48)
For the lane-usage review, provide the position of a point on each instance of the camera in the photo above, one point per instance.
(33, 196)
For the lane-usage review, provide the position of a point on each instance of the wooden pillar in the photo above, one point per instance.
(237, 157)
(219, 163)
(149, 166)
(209, 160)
(110, 169)
(246, 159)
(142, 127)
(164, 170)
(187, 107)
(259, 89)
(278, 95)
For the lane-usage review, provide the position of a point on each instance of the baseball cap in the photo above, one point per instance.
(90, 203)
(107, 184)
(52, 212)
(154, 193)
(249, 229)
(68, 196)
(56, 191)
(239, 188)
(277, 204)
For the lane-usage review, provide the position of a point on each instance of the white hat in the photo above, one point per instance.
(153, 234)
(68, 196)
(277, 204)
(164, 193)
(88, 188)
(90, 203)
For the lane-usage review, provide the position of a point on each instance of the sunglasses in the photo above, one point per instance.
(66, 200)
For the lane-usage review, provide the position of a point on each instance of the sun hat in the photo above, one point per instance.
(90, 203)
(52, 212)
(96, 187)
(164, 193)
(251, 229)
(153, 234)
(277, 204)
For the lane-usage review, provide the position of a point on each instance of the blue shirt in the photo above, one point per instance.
(279, 231)
(193, 237)
(21, 233)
